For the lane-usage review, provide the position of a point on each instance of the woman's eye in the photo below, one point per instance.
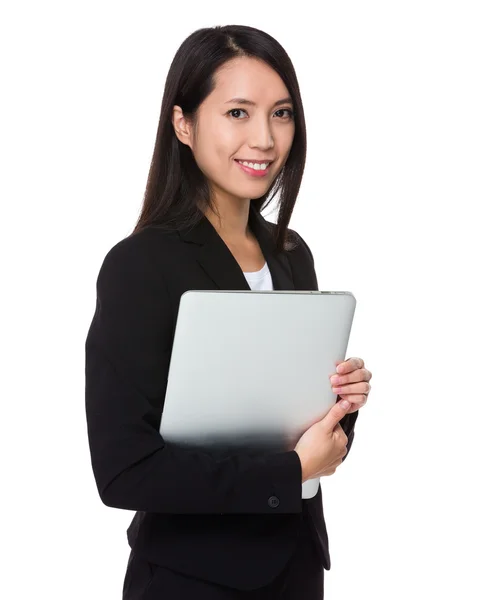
(281, 110)
(235, 110)
(291, 112)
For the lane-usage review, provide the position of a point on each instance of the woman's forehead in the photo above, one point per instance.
(248, 80)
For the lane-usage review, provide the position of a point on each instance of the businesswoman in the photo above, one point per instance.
(231, 136)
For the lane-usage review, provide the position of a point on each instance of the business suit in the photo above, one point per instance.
(235, 521)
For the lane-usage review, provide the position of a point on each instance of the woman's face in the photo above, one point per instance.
(228, 130)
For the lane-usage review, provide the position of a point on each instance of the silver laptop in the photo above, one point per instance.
(250, 369)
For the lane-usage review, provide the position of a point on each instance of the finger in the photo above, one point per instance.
(335, 414)
(354, 376)
(353, 406)
(356, 401)
(363, 387)
(351, 364)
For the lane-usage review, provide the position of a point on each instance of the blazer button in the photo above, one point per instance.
(273, 502)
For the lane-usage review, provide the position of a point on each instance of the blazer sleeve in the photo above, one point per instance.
(127, 354)
(348, 422)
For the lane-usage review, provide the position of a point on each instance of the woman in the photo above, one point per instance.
(231, 134)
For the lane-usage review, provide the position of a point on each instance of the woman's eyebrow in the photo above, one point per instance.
(250, 103)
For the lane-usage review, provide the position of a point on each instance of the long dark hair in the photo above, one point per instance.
(177, 192)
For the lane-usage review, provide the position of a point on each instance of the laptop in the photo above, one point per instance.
(249, 370)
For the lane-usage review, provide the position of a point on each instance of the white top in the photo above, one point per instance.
(259, 280)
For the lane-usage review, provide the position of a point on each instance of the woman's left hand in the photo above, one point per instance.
(351, 382)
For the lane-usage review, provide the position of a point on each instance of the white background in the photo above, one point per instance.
(387, 206)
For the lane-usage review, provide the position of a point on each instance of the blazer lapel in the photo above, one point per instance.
(219, 263)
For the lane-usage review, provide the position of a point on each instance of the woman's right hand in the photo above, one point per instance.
(323, 445)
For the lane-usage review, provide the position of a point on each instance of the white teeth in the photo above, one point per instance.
(256, 166)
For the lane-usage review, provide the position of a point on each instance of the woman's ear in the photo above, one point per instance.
(182, 127)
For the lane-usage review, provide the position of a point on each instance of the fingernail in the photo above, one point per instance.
(344, 403)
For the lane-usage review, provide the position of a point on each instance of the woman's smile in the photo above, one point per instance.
(257, 171)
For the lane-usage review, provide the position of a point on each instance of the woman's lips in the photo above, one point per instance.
(253, 172)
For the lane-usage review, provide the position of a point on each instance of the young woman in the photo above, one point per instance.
(231, 135)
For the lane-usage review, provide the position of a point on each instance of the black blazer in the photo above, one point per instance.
(231, 520)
